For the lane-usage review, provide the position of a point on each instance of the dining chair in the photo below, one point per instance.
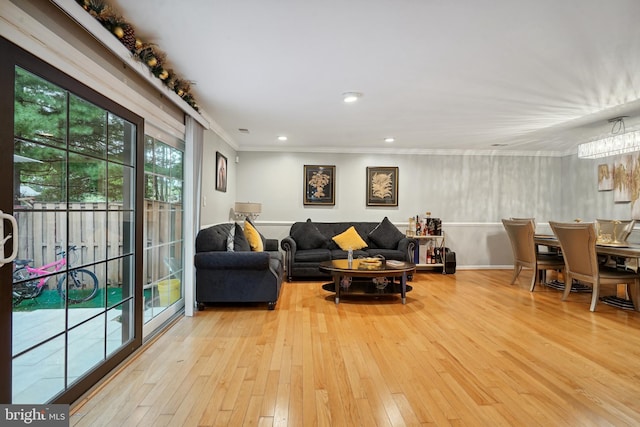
(520, 232)
(613, 230)
(578, 245)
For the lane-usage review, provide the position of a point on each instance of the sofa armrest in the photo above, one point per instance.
(407, 245)
(220, 260)
(288, 244)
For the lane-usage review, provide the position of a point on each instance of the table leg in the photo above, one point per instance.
(404, 288)
(336, 280)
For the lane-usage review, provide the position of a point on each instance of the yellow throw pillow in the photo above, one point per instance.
(349, 239)
(252, 235)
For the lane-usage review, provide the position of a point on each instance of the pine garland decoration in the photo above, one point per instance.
(145, 52)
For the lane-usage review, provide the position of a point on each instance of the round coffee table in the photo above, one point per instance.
(341, 272)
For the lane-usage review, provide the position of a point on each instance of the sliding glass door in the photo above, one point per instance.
(75, 310)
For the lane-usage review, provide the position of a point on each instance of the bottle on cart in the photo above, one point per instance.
(427, 222)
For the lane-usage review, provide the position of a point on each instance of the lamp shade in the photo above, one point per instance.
(248, 208)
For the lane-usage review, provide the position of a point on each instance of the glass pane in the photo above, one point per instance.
(122, 137)
(87, 128)
(87, 235)
(87, 179)
(127, 265)
(120, 233)
(38, 309)
(175, 160)
(86, 347)
(42, 236)
(120, 326)
(149, 154)
(175, 190)
(175, 260)
(86, 293)
(40, 175)
(40, 110)
(149, 185)
(38, 375)
(161, 161)
(120, 285)
(121, 180)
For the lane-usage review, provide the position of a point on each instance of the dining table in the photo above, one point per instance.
(629, 251)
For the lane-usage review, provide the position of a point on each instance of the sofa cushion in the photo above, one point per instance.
(386, 235)
(240, 242)
(213, 238)
(349, 239)
(388, 254)
(253, 237)
(309, 237)
(313, 255)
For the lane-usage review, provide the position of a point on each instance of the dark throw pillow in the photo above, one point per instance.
(240, 242)
(308, 236)
(386, 235)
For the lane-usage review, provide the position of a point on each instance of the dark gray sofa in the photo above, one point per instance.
(309, 243)
(227, 271)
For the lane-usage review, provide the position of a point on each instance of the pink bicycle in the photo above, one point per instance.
(28, 282)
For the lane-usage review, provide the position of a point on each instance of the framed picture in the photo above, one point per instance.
(605, 177)
(382, 186)
(319, 185)
(221, 172)
(622, 168)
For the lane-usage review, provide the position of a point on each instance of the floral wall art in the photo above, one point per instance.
(622, 179)
(319, 185)
(382, 186)
(635, 188)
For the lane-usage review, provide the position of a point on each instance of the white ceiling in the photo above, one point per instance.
(538, 75)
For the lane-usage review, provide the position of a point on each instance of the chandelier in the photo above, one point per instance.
(619, 142)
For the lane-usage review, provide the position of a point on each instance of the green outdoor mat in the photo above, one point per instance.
(49, 299)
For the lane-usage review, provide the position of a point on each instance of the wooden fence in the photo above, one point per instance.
(101, 232)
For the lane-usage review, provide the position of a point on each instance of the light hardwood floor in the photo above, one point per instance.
(466, 349)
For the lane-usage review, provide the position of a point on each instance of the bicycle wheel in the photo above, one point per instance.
(83, 286)
(23, 288)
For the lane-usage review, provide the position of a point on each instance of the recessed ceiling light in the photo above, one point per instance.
(389, 139)
(350, 97)
(282, 138)
(498, 145)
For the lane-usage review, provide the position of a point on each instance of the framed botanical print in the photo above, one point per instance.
(221, 172)
(319, 185)
(382, 186)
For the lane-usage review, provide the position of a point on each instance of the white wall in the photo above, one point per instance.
(216, 205)
(470, 193)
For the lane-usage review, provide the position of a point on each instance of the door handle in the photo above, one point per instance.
(4, 238)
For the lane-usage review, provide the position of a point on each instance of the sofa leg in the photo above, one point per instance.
(271, 305)
(200, 306)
